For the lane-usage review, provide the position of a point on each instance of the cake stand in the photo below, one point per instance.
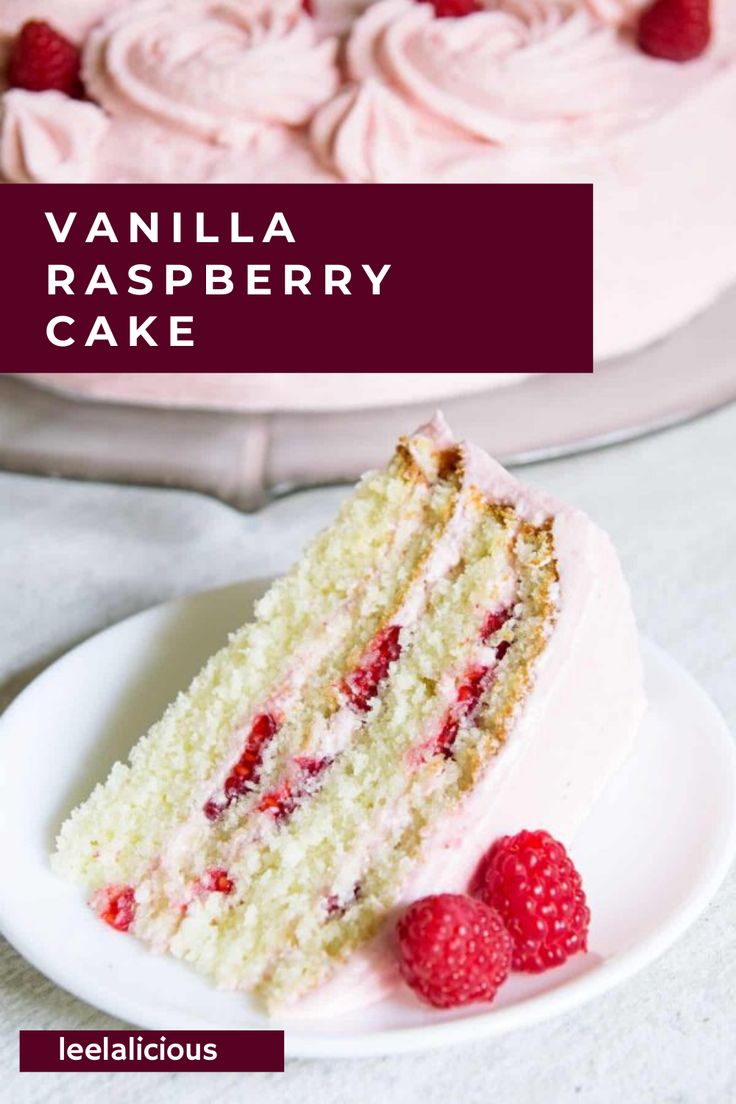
(246, 457)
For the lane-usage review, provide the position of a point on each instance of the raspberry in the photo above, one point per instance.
(493, 622)
(115, 905)
(453, 950)
(287, 797)
(476, 682)
(245, 773)
(41, 59)
(469, 693)
(677, 30)
(453, 9)
(531, 881)
(217, 881)
(361, 685)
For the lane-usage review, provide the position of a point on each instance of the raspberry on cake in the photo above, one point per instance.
(43, 60)
(677, 30)
(453, 9)
(454, 657)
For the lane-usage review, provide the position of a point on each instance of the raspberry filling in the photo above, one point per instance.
(361, 686)
(115, 905)
(281, 802)
(216, 881)
(493, 622)
(245, 773)
(477, 680)
(469, 694)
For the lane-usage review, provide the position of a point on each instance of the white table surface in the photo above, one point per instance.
(75, 558)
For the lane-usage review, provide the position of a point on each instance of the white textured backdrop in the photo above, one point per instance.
(75, 558)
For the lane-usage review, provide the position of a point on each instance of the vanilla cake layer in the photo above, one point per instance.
(364, 710)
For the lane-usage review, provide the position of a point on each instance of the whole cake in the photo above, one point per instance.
(453, 658)
(405, 90)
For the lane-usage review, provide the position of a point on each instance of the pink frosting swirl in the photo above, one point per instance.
(365, 134)
(515, 71)
(47, 138)
(617, 12)
(215, 69)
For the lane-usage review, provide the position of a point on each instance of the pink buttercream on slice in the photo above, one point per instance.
(575, 729)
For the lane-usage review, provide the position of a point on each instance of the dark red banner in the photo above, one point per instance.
(288, 277)
(138, 1051)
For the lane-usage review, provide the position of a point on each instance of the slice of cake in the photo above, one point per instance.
(454, 657)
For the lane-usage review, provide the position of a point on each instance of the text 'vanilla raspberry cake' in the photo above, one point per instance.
(453, 658)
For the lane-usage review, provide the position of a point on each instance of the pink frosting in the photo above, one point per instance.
(214, 69)
(516, 72)
(616, 12)
(365, 134)
(46, 138)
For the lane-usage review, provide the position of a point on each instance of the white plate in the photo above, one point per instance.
(652, 853)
